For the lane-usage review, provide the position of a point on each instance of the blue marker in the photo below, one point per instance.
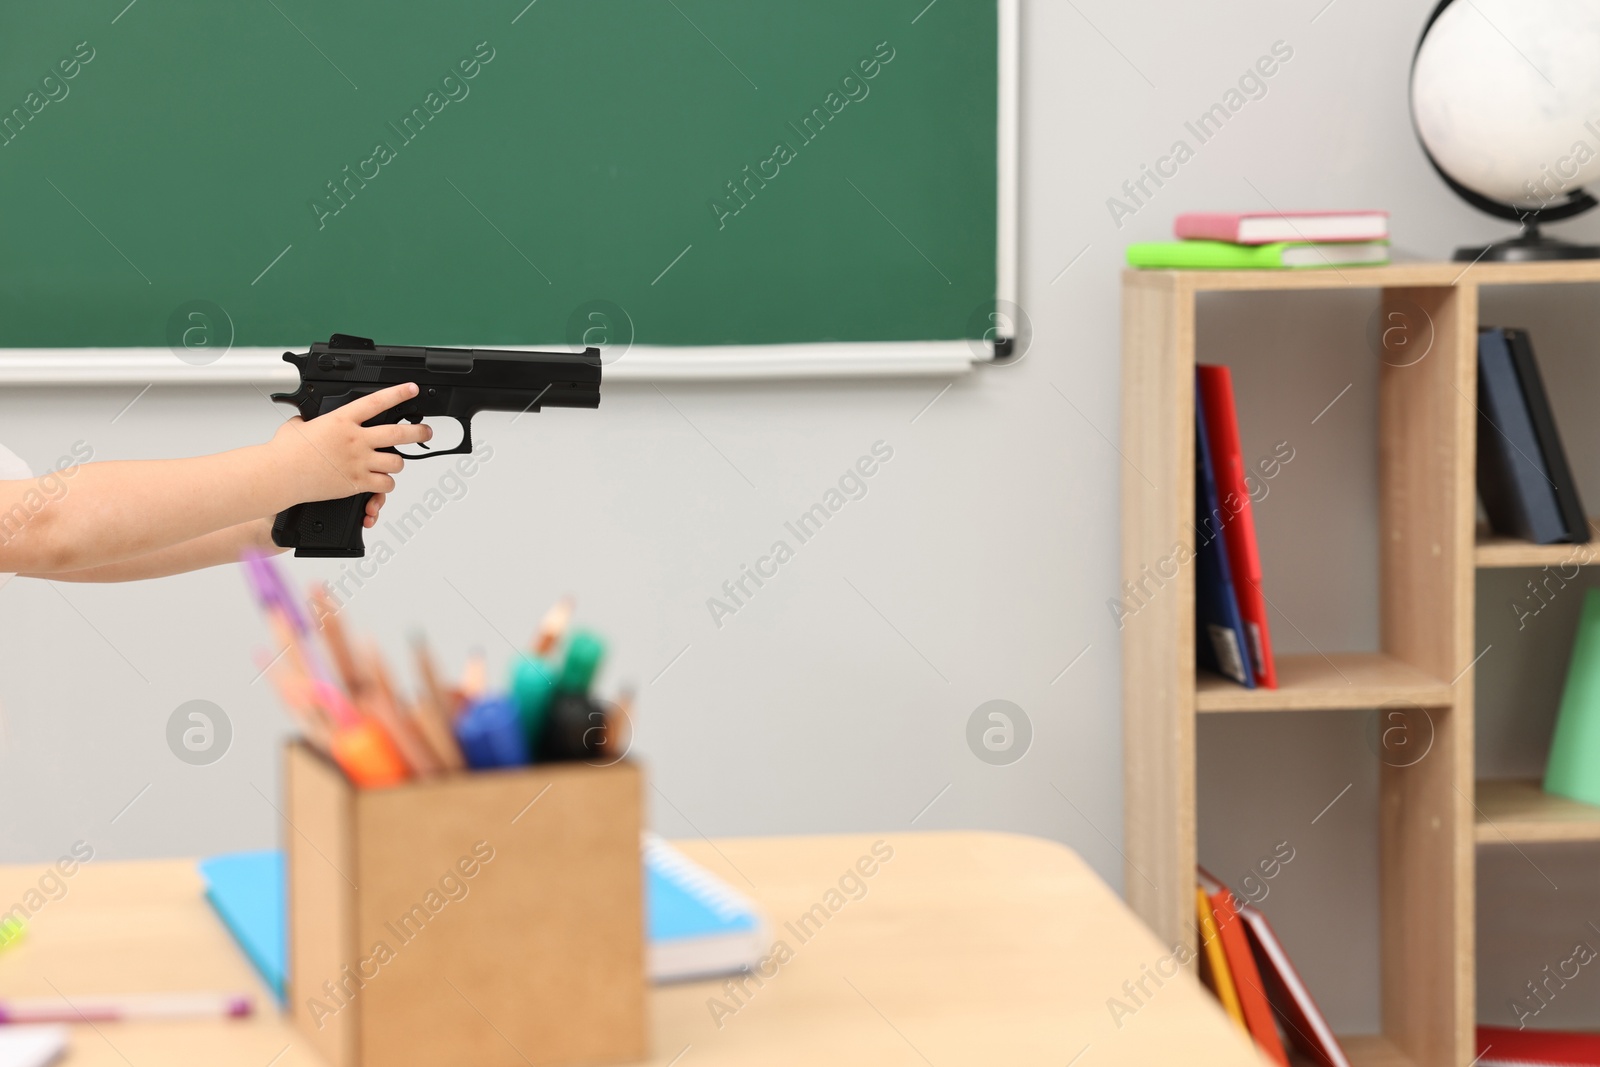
(491, 735)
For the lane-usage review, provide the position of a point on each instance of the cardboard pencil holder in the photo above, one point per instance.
(492, 918)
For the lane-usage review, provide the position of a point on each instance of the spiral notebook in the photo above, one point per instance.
(698, 925)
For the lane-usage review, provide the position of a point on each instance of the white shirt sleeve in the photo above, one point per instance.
(11, 469)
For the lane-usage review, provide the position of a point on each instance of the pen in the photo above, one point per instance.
(119, 1008)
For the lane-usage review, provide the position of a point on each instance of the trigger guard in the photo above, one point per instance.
(461, 449)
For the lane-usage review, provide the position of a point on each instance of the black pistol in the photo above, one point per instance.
(452, 383)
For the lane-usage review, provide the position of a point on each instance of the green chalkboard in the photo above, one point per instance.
(474, 172)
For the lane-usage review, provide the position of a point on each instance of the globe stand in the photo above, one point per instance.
(1529, 246)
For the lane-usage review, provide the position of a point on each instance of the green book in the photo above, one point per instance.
(1282, 255)
(1573, 770)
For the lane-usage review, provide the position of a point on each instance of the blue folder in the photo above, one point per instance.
(698, 926)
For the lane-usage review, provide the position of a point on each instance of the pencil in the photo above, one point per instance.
(432, 686)
(440, 744)
(617, 737)
(292, 693)
(379, 701)
(474, 676)
(553, 626)
(326, 613)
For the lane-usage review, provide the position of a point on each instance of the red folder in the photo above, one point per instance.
(1246, 977)
(1303, 1023)
(1233, 494)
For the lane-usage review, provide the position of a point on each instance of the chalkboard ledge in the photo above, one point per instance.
(641, 363)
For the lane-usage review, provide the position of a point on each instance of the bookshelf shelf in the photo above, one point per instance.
(1430, 552)
(1493, 551)
(1520, 812)
(1316, 682)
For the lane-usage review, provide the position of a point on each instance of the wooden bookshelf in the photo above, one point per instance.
(1317, 683)
(1432, 817)
(1494, 551)
(1522, 813)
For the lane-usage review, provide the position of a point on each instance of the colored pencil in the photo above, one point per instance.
(553, 626)
(379, 702)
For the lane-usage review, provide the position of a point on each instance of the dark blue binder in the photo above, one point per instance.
(1219, 629)
(1514, 481)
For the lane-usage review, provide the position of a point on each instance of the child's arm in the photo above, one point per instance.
(193, 510)
(211, 550)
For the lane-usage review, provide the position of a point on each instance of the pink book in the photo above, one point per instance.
(1269, 227)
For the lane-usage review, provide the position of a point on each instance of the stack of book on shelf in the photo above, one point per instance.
(1505, 1046)
(1523, 478)
(1268, 240)
(1245, 966)
(1230, 609)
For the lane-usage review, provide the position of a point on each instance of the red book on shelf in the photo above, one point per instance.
(1503, 1046)
(1267, 227)
(1233, 494)
(1303, 1023)
(1246, 978)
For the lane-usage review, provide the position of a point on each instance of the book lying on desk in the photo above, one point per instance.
(1224, 255)
(699, 927)
(1267, 227)
(1523, 477)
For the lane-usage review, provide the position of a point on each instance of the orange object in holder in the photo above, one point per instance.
(367, 756)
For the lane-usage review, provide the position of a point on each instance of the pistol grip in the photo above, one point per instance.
(323, 528)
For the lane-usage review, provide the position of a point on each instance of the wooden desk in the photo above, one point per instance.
(967, 948)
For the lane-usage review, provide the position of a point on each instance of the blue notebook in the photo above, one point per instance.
(698, 926)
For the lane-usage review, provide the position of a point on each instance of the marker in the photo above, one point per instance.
(491, 734)
(122, 1008)
(574, 730)
(584, 654)
(533, 686)
(367, 756)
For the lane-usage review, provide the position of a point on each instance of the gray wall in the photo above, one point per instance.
(976, 568)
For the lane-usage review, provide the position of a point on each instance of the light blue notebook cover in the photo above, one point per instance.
(698, 926)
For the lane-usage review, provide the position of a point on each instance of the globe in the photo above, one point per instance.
(1505, 98)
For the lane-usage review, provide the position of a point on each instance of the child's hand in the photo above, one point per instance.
(375, 504)
(334, 456)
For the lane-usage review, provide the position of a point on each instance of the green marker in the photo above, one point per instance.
(533, 686)
(584, 653)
